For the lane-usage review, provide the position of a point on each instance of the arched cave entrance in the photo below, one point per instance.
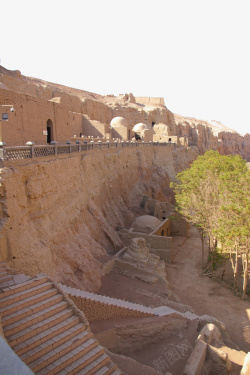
(50, 137)
(137, 137)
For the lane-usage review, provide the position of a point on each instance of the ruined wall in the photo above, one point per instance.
(30, 119)
(60, 214)
(163, 229)
(158, 245)
(148, 100)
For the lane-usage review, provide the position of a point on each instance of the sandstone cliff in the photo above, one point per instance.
(59, 215)
(102, 109)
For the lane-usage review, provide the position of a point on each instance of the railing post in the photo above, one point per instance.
(2, 152)
(54, 143)
(79, 145)
(32, 151)
(69, 143)
(100, 143)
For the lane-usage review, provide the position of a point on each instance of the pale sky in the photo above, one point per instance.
(194, 53)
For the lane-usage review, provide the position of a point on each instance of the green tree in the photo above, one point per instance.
(234, 221)
(213, 194)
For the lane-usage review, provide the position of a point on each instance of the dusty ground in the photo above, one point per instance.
(206, 296)
(203, 295)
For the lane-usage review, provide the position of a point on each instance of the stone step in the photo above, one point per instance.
(78, 331)
(3, 271)
(7, 284)
(5, 279)
(95, 365)
(39, 327)
(17, 306)
(87, 364)
(24, 313)
(34, 318)
(41, 338)
(40, 279)
(25, 294)
(103, 371)
(107, 371)
(66, 354)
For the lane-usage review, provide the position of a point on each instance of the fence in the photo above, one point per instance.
(32, 151)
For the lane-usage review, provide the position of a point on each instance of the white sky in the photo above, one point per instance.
(194, 53)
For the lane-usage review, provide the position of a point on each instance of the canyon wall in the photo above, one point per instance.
(59, 215)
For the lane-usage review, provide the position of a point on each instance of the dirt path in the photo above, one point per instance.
(206, 296)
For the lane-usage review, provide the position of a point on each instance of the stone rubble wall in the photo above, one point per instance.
(210, 352)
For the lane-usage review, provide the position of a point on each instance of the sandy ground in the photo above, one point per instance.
(206, 296)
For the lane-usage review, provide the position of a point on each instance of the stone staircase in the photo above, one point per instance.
(5, 279)
(47, 331)
(98, 307)
(80, 297)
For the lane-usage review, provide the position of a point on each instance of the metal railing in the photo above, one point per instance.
(32, 151)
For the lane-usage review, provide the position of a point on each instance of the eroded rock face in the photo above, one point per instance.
(59, 216)
(206, 135)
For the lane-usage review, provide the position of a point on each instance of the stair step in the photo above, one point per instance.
(95, 365)
(9, 300)
(24, 286)
(5, 279)
(104, 371)
(41, 338)
(82, 362)
(17, 306)
(6, 284)
(38, 328)
(3, 272)
(34, 318)
(76, 332)
(66, 354)
(24, 313)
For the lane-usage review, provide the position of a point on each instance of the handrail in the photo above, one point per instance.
(32, 151)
